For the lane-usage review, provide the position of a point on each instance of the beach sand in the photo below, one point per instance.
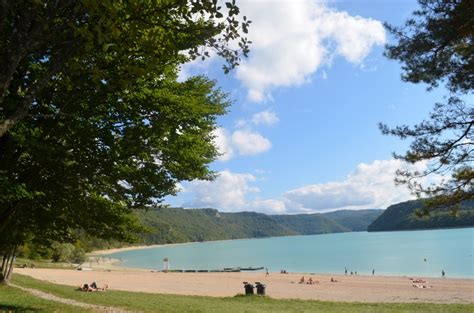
(280, 286)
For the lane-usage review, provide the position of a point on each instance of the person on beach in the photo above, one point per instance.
(302, 280)
(266, 272)
(443, 273)
(92, 287)
(345, 270)
(373, 272)
(84, 287)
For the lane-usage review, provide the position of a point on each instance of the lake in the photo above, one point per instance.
(420, 253)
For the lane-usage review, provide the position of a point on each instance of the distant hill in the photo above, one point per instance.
(309, 224)
(402, 216)
(174, 225)
(355, 220)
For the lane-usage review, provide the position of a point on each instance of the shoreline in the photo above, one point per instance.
(355, 288)
(144, 247)
(110, 263)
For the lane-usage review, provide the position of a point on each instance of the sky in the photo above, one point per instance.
(301, 135)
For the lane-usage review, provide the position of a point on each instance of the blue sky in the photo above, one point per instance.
(302, 133)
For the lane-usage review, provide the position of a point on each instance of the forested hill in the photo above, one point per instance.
(356, 220)
(173, 225)
(402, 216)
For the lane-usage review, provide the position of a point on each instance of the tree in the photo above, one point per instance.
(93, 123)
(39, 38)
(436, 46)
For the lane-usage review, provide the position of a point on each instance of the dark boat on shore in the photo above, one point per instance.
(251, 268)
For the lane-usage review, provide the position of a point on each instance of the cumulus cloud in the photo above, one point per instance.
(248, 142)
(241, 142)
(266, 117)
(226, 193)
(268, 206)
(369, 186)
(292, 39)
(223, 144)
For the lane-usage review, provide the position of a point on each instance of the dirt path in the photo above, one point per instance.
(50, 297)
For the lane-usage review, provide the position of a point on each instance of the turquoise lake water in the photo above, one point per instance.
(389, 253)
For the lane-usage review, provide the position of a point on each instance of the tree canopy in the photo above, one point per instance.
(93, 122)
(436, 46)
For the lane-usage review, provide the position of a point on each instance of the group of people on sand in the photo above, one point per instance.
(283, 272)
(310, 281)
(92, 287)
(420, 283)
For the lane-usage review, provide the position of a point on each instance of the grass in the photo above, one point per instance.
(16, 300)
(19, 262)
(175, 303)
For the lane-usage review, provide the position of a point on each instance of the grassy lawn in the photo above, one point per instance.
(15, 300)
(173, 303)
(19, 262)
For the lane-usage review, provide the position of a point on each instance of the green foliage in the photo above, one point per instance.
(177, 225)
(173, 225)
(309, 224)
(436, 46)
(93, 122)
(409, 215)
(355, 220)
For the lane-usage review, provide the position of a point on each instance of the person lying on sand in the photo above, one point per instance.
(419, 281)
(421, 286)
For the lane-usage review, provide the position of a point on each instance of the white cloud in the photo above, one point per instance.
(226, 193)
(223, 144)
(268, 206)
(265, 117)
(368, 186)
(248, 142)
(292, 39)
(241, 141)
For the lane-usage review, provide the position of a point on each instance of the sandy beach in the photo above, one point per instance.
(110, 251)
(348, 288)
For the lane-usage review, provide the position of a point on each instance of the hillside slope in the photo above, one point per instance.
(402, 216)
(174, 225)
(309, 224)
(354, 220)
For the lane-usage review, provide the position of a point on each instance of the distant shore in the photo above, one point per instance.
(348, 288)
(115, 250)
